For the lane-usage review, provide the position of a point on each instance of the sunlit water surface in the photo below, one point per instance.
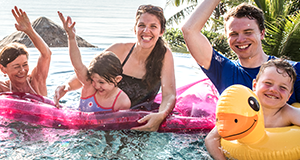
(20, 140)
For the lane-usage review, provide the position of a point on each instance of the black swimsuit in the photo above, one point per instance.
(137, 91)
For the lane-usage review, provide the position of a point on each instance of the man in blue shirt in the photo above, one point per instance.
(244, 28)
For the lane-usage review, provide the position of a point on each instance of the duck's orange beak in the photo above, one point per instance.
(233, 126)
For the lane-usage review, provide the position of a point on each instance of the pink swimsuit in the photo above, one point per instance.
(89, 104)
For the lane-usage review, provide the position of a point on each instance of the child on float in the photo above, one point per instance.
(99, 80)
(273, 86)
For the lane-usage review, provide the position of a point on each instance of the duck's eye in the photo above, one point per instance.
(253, 103)
(235, 121)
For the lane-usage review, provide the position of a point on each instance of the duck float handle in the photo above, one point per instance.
(240, 123)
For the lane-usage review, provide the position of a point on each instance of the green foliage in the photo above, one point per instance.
(219, 43)
(282, 27)
(180, 2)
(175, 39)
(180, 15)
(273, 9)
(283, 39)
(295, 6)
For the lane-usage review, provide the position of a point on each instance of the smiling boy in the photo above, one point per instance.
(273, 87)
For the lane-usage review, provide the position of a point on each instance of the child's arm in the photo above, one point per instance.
(75, 56)
(213, 144)
(72, 84)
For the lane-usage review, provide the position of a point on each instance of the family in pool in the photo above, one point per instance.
(129, 75)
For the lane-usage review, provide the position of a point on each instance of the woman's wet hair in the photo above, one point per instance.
(154, 62)
(107, 65)
(11, 51)
(247, 10)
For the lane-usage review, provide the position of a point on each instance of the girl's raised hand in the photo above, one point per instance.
(68, 25)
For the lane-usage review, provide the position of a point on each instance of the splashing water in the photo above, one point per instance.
(20, 140)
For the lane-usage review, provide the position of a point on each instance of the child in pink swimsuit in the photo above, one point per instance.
(100, 91)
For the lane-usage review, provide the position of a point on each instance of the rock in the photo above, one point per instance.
(53, 34)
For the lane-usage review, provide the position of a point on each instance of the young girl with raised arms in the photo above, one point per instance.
(100, 91)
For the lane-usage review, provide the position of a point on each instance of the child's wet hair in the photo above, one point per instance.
(282, 65)
(107, 65)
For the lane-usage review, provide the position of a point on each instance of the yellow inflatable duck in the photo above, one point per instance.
(240, 122)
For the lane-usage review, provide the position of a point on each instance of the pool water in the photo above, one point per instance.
(19, 140)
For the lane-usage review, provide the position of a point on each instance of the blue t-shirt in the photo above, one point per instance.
(224, 72)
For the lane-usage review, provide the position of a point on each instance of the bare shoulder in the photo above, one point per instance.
(289, 110)
(120, 49)
(169, 51)
(291, 115)
(168, 60)
(123, 102)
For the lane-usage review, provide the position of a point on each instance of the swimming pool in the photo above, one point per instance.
(25, 141)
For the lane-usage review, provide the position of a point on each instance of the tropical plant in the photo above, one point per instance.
(174, 38)
(283, 39)
(295, 6)
(180, 15)
(219, 43)
(213, 29)
(282, 28)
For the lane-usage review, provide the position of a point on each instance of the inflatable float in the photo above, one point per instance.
(194, 112)
(240, 123)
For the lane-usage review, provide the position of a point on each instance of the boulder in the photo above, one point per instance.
(53, 34)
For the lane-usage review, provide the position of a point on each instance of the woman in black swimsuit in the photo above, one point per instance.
(147, 66)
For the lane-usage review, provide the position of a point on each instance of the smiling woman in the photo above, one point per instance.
(14, 61)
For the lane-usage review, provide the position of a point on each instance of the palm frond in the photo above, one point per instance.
(179, 16)
(180, 2)
(283, 40)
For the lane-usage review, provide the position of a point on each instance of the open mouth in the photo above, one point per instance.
(100, 90)
(20, 76)
(243, 46)
(271, 96)
(147, 38)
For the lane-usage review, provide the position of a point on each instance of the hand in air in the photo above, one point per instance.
(23, 24)
(59, 92)
(153, 122)
(68, 25)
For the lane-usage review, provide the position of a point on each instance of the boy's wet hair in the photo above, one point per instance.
(247, 10)
(282, 65)
(12, 51)
(107, 65)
